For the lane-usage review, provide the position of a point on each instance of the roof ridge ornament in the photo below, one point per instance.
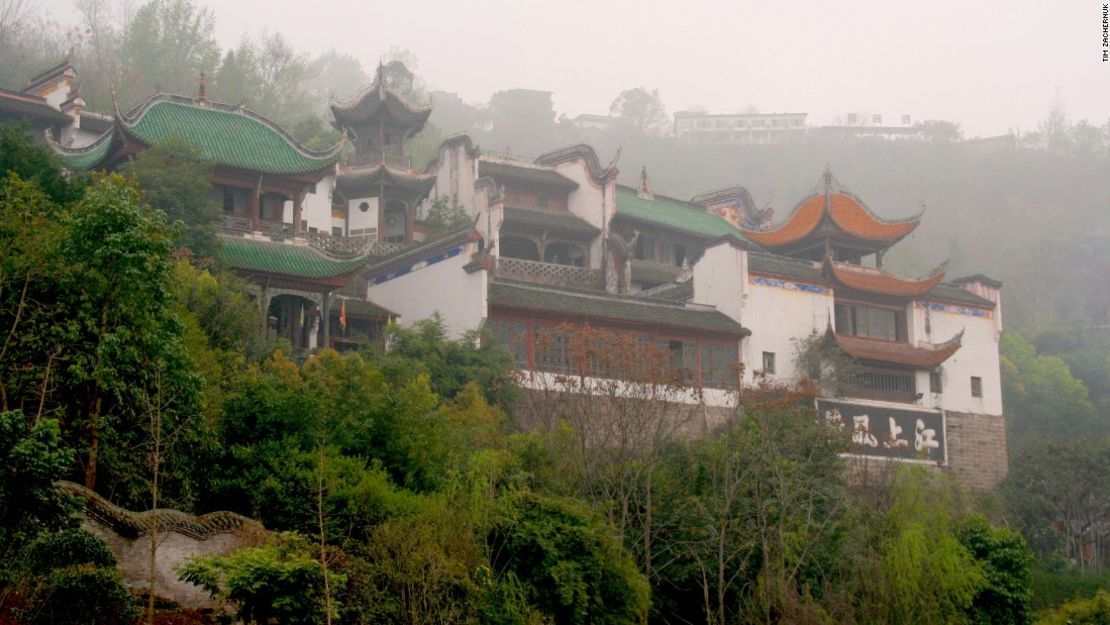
(645, 191)
(202, 97)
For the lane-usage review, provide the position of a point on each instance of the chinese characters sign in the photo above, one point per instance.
(888, 432)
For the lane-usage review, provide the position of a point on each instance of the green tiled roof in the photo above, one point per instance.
(653, 272)
(285, 259)
(87, 157)
(671, 213)
(227, 137)
(557, 221)
(604, 306)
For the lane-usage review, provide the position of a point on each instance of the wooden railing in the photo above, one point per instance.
(548, 273)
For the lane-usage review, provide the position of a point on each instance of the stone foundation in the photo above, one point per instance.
(977, 454)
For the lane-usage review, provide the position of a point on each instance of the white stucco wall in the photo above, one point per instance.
(978, 356)
(315, 207)
(456, 173)
(778, 311)
(719, 279)
(360, 220)
(445, 287)
(591, 202)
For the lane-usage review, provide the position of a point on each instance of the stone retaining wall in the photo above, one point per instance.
(180, 536)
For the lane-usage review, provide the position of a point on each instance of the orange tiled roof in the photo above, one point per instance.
(880, 282)
(801, 223)
(899, 353)
(845, 211)
(852, 217)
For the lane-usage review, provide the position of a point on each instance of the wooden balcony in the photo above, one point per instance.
(893, 386)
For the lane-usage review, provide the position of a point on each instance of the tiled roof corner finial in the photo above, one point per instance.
(645, 191)
(827, 178)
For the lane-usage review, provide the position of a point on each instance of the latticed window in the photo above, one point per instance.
(552, 350)
(513, 336)
(682, 357)
(718, 365)
(870, 322)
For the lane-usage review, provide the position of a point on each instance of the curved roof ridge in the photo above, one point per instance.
(846, 210)
(879, 282)
(915, 217)
(68, 152)
(803, 220)
(593, 163)
(355, 100)
(922, 356)
(135, 115)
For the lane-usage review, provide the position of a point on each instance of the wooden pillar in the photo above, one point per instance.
(298, 201)
(325, 321)
(264, 308)
(256, 209)
(410, 222)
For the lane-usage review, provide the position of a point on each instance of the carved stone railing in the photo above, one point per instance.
(549, 273)
(338, 246)
(276, 228)
(231, 222)
(396, 161)
(323, 241)
(385, 248)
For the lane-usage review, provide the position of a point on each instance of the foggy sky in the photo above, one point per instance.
(988, 65)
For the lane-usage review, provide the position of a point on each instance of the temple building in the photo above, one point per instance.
(51, 103)
(335, 246)
(376, 188)
(277, 225)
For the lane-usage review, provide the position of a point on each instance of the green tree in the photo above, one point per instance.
(278, 582)
(451, 364)
(174, 178)
(166, 47)
(30, 237)
(1093, 611)
(120, 335)
(1059, 497)
(1005, 559)
(444, 216)
(918, 571)
(37, 164)
(71, 579)
(940, 131)
(642, 109)
(570, 564)
(1044, 400)
(32, 458)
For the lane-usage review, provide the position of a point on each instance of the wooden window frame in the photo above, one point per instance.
(901, 327)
